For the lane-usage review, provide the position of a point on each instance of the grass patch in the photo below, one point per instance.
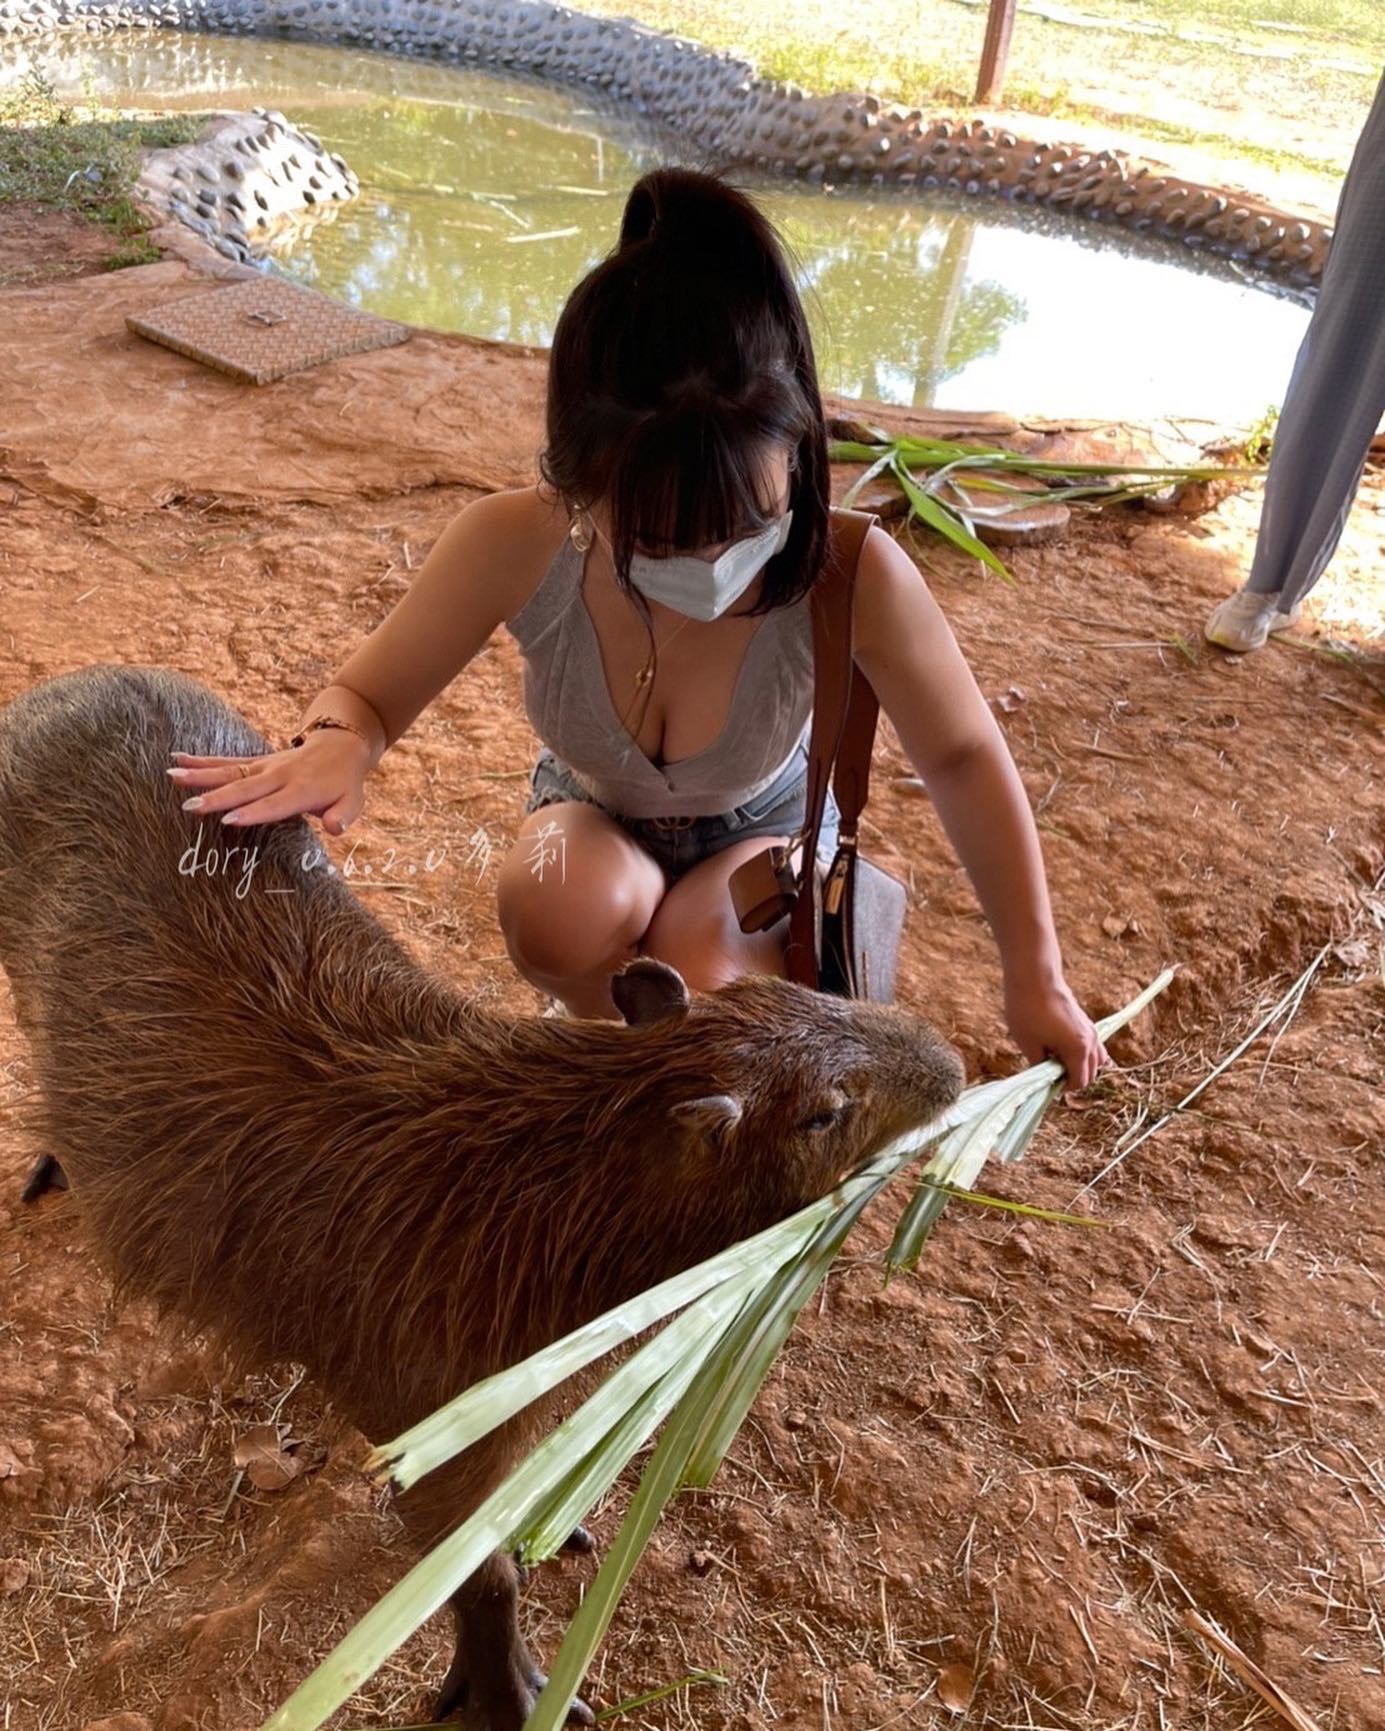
(82, 160)
(1358, 23)
(1057, 104)
(1159, 69)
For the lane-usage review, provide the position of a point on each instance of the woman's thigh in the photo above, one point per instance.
(575, 889)
(695, 928)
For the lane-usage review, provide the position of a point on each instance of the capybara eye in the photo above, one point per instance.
(831, 1112)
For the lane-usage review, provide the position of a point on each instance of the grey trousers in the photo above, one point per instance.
(1336, 394)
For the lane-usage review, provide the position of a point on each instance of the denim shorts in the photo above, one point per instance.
(678, 843)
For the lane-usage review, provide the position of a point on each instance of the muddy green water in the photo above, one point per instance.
(484, 199)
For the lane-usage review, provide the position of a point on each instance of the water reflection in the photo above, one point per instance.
(485, 199)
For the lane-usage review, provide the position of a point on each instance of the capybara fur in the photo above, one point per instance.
(288, 1134)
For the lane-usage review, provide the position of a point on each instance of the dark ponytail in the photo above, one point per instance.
(674, 363)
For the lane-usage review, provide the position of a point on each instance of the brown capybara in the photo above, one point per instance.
(290, 1135)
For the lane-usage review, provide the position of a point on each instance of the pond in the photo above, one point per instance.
(484, 198)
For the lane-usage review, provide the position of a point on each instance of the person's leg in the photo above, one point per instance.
(574, 896)
(694, 928)
(1332, 408)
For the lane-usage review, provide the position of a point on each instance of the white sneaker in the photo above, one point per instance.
(1244, 621)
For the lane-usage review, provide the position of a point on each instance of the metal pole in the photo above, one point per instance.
(995, 50)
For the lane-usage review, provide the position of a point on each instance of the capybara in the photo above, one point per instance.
(290, 1135)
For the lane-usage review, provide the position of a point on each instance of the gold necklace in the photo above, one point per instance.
(582, 535)
(644, 680)
(646, 673)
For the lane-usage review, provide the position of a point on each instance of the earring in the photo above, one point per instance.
(582, 531)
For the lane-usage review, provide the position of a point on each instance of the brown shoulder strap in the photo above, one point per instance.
(843, 725)
(851, 780)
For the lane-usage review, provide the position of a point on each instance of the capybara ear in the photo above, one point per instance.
(710, 1115)
(647, 990)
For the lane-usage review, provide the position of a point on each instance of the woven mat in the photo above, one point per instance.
(258, 331)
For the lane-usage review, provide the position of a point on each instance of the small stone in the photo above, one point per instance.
(795, 1419)
(701, 1562)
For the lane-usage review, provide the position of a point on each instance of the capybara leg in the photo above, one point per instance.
(455, 1689)
(47, 1174)
(493, 1677)
(488, 1675)
(578, 1714)
(579, 1543)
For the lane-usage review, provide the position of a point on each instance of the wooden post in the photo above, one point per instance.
(995, 50)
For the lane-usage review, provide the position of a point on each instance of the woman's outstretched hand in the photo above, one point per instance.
(1046, 1021)
(325, 776)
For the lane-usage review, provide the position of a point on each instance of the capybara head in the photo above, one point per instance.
(807, 1085)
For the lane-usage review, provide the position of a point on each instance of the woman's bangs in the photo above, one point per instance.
(678, 497)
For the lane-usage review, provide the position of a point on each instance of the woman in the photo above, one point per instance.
(657, 581)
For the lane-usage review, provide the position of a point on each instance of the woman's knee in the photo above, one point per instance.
(695, 929)
(573, 914)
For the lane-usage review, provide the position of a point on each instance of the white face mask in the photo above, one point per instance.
(705, 588)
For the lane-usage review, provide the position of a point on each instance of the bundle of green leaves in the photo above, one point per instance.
(929, 473)
(697, 1377)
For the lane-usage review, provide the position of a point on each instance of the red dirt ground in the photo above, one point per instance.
(38, 244)
(1017, 1469)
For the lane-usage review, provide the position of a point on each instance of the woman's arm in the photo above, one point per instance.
(474, 577)
(905, 647)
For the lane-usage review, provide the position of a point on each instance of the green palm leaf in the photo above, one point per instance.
(701, 1373)
(1065, 483)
